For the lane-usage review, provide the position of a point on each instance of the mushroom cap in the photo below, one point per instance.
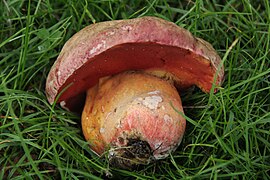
(147, 43)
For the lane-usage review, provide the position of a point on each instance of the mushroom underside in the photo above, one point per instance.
(180, 65)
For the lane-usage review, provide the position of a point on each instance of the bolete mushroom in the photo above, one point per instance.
(128, 73)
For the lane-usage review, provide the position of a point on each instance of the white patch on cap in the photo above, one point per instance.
(126, 28)
(152, 102)
(110, 33)
(59, 73)
(98, 47)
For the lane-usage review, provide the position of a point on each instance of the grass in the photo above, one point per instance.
(227, 135)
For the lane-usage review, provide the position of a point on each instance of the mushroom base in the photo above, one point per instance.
(134, 117)
(137, 152)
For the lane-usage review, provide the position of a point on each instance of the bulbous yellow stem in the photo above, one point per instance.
(133, 116)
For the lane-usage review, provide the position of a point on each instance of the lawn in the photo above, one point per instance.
(227, 134)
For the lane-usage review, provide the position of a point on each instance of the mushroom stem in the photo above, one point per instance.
(132, 116)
